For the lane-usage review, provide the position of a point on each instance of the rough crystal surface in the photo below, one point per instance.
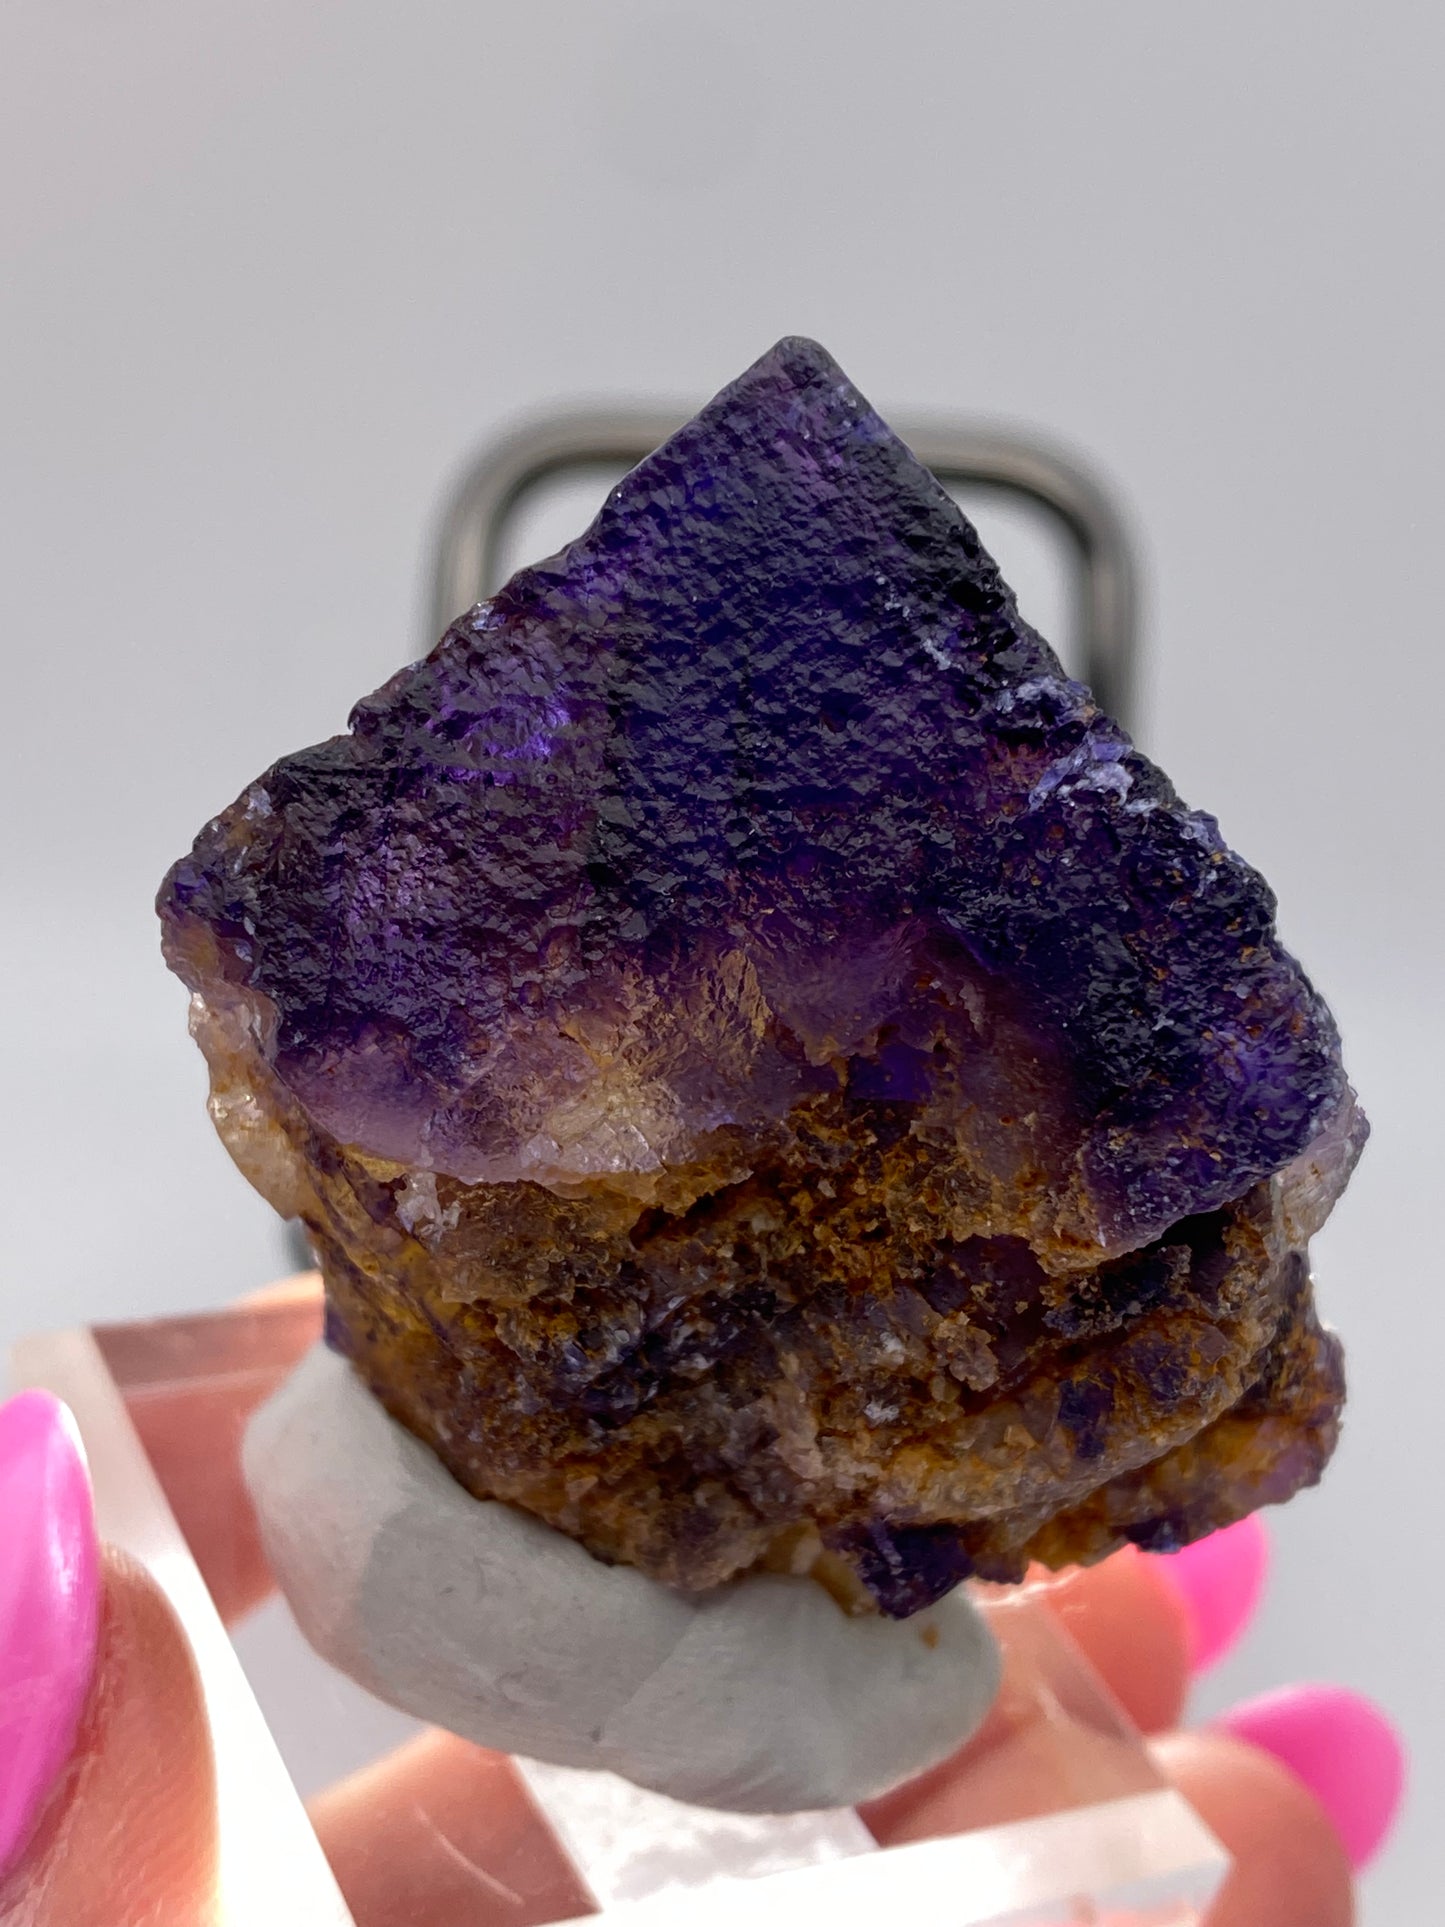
(771, 1073)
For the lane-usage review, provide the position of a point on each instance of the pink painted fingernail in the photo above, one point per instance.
(49, 1606)
(1342, 1746)
(1219, 1581)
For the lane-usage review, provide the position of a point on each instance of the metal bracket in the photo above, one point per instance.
(473, 528)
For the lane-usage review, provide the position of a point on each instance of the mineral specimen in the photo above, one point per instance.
(772, 1075)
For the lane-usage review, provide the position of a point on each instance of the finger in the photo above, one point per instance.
(444, 1831)
(1055, 1736)
(50, 1603)
(301, 1288)
(1342, 1746)
(1290, 1869)
(1131, 1623)
(1220, 1581)
(1131, 1626)
(192, 1427)
(129, 1836)
(1147, 1621)
(759, 1696)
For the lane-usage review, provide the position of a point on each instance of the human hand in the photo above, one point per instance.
(105, 1782)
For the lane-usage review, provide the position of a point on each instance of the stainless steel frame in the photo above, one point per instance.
(473, 527)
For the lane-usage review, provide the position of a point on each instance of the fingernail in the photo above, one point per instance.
(49, 1606)
(1219, 1582)
(1342, 1746)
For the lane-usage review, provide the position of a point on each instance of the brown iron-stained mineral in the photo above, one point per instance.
(772, 1075)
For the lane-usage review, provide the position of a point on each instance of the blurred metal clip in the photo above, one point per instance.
(474, 527)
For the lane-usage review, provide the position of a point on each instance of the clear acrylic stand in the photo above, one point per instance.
(1061, 1816)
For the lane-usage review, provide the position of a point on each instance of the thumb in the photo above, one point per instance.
(107, 1791)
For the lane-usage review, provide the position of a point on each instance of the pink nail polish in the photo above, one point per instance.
(1342, 1746)
(49, 1606)
(1219, 1581)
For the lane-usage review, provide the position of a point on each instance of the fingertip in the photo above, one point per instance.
(49, 1606)
(1338, 1744)
(140, 1773)
(1219, 1582)
(1289, 1868)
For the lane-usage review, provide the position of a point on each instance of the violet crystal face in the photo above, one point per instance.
(772, 1075)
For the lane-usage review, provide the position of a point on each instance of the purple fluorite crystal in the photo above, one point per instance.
(767, 1065)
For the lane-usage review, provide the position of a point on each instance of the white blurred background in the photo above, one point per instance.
(270, 273)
